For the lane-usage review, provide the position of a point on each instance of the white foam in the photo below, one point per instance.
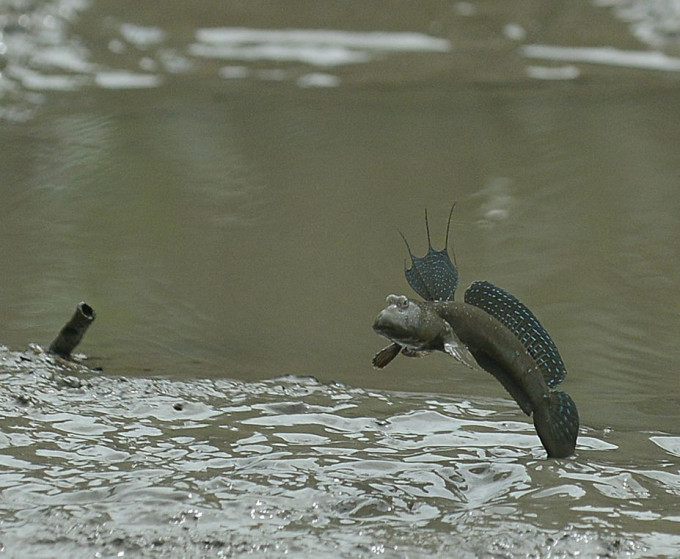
(233, 72)
(126, 80)
(567, 72)
(317, 79)
(142, 36)
(373, 40)
(318, 47)
(314, 55)
(650, 60)
(38, 81)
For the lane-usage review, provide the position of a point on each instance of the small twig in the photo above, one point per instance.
(73, 331)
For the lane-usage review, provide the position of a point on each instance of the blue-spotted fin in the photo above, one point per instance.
(433, 276)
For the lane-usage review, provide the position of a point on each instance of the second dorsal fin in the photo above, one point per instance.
(522, 322)
(433, 276)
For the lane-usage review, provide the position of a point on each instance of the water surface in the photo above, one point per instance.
(104, 465)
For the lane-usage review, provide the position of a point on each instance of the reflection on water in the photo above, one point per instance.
(113, 464)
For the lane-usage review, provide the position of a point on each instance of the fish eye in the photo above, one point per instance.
(402, 302)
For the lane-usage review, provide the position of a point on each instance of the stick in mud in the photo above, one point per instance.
(73, 331)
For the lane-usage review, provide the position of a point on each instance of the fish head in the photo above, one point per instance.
(412, 324)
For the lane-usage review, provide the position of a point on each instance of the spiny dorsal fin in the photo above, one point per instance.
(433, 276)
(522, 322)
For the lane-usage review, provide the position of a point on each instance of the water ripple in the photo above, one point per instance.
(134, 457)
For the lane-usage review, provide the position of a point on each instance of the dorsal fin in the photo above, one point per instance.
(521, 321)
(433, 276)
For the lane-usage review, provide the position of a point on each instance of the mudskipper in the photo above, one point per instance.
(490, 330)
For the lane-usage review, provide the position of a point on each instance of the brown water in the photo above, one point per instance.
(229, 202)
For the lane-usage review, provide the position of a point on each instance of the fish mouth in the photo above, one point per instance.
(382, 329)
(387, 332)
(386, 323)
(390, 327)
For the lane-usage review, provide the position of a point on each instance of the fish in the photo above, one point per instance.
(489, 330)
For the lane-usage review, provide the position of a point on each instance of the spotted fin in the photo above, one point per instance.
(557, 427)
(433, 276)
(385, 355)
(518, 318)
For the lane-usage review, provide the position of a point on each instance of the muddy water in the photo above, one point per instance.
(224, 185)
(105, 466)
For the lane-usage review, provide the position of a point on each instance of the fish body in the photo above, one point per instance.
(498, 350)
(478, 340)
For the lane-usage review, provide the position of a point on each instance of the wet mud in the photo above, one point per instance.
(97, 465)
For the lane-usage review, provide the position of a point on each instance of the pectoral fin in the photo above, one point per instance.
(459, 351)
(385, 355)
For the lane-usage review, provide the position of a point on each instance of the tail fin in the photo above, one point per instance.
(557, 425)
